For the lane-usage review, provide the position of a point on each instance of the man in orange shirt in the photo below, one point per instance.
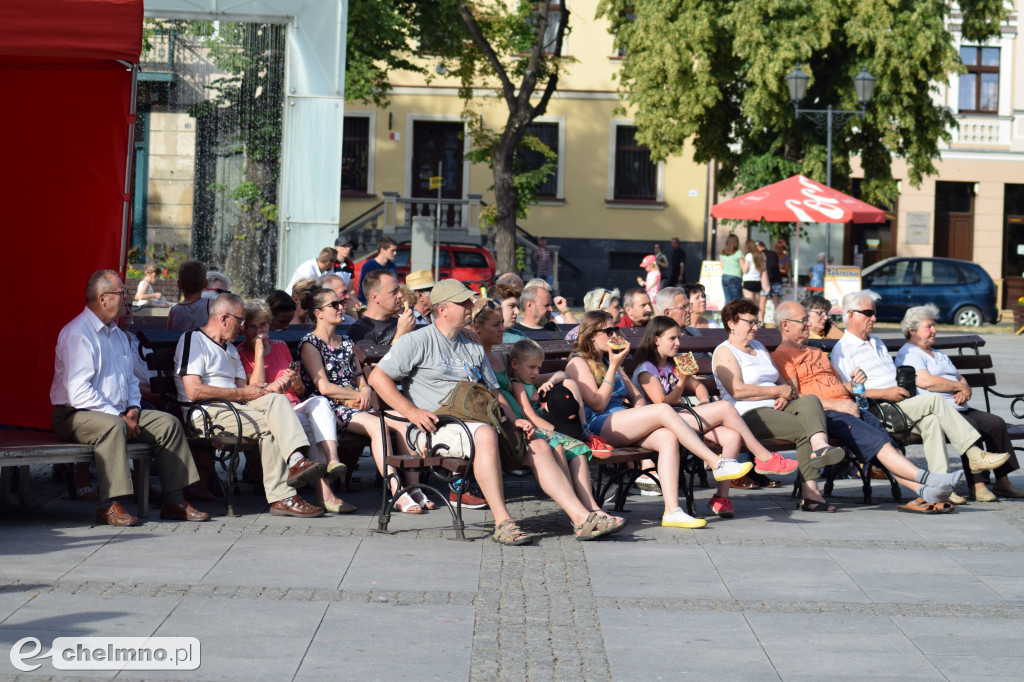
(809, 371)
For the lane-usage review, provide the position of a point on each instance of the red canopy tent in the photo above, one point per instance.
(67, 74)
(798, 200)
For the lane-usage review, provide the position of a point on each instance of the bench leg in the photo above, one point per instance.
(143, 491)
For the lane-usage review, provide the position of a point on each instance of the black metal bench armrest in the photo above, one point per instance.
(1016, 401)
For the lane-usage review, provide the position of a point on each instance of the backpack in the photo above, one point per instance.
(470, 401)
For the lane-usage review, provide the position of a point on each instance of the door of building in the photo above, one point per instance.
(436, 142)
(954, 220)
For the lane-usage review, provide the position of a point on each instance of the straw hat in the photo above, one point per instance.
(420, 280)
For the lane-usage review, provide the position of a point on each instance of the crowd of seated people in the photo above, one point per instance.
(442, 333)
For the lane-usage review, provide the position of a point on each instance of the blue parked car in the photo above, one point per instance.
(963, 291)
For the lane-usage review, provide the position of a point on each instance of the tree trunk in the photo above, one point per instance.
(506, 200)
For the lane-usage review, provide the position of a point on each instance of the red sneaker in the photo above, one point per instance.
(776, 465)
(722, 506)
(599, 447)
(469, 501)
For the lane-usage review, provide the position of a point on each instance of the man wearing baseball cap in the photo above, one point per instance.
(430, 362)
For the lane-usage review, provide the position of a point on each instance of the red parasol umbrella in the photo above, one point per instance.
(798, 200)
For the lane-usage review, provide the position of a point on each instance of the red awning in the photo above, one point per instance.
(798, 199)
(77, 29)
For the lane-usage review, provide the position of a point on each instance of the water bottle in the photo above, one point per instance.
(858, 395)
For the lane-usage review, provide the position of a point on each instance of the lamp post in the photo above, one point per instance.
(864, 85)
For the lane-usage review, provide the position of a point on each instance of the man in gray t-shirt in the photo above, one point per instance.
(430, 362)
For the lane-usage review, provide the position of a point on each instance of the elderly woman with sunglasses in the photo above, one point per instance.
(331, 369)
(936, 374)
(600, 299)
(268, 364)
(819, 325)
(747, 377)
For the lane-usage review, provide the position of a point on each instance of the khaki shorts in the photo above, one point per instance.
(452, 435)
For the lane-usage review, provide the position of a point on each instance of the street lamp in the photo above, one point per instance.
(864, 85)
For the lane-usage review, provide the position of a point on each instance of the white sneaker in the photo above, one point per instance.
(680, 519)
(730, 469)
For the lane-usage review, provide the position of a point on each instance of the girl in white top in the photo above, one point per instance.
(747, 378)
(658, 378)
(146, 294)
(755, 277)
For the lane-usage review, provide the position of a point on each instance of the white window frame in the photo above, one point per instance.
(610, 200)
(371, 147)
(559, 198)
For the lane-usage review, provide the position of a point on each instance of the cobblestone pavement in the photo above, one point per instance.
(771, 594)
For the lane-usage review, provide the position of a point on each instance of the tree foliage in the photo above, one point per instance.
(502, 45)
(712, 72)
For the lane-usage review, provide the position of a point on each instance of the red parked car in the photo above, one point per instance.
(473, 265)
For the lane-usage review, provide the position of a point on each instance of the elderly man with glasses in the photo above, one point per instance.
(208, 366)
(96, 400)
(859, 353)
(808, 370)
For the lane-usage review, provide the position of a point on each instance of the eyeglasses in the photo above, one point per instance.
(240, 319)
(753, 321)
(337, 305)
(822, 313)
(804, 321)
(123, 293)
(870, 312)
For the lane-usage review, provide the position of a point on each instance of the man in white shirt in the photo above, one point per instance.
(315, 268)
(336, 283)
(208, 366)
(934, 418)
(95, 397)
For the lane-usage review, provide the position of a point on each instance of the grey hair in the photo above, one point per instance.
(627, 298)
(529, 295)
(781, 313)
(820, 257)
(537, 282)
(854, 300)
(326, 280)
(511, 279)
(97, 284)
(595, 297)
(212, 275)
(224, 303)
(913, 318)
(255, 308)
(663, 299)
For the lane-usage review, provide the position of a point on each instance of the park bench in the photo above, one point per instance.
(21, 447)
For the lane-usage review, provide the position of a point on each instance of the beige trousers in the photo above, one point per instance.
(108, 435)
(938, 420)
(271, 419)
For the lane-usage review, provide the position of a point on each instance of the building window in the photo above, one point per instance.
(529, 160)
(979, 87)
(355, 156)
(636, 177)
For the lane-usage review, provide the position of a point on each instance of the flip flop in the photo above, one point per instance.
(815, 506)
(919, 506)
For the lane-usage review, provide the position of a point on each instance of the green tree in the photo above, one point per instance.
(513, 47)
(712, 72)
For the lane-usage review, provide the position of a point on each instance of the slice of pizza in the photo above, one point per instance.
(686, 364)
(617, 343)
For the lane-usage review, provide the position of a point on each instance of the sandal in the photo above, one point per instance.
(816, 506)
(828, 455)
(596, 526)
(919, 506)
(421, 499)
(943, 507)
(86, 492)
(508, 533)
(410, 505)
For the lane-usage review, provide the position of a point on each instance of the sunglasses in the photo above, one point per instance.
(337, 305)
(870, 312)
(486, 304)
(610, 331)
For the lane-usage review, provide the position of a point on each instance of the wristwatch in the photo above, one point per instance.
(138, 410)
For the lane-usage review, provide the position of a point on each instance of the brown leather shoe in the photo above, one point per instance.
(304, 472)
(295, 506)
(743, 483)
(115, 515)
(182, 512)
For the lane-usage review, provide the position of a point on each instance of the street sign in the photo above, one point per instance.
(436, 182)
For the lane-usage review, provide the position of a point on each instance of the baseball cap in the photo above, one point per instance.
(648, 260)
(450, 291)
